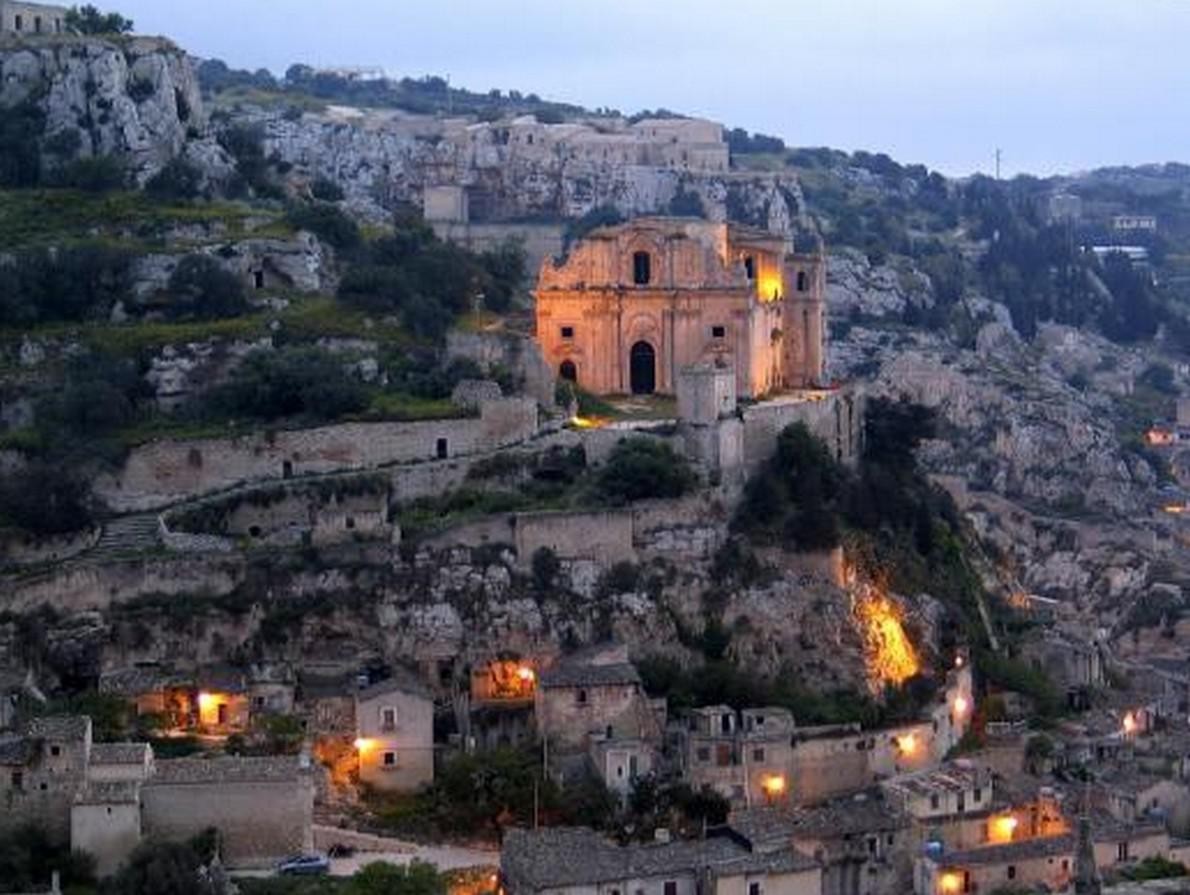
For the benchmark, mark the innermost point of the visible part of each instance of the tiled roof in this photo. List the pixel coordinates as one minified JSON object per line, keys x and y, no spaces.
{"x":226,"y":770}
{"x":950,"y":777}
{"x":115,"y":792}
{"x":16,"y":749}
{"x":58,"y":727}
{"x":317,"y":686}
{"x":1038,"y":847}
{"x":561,"y":857}
{"x":576,"y":674}
{"x":842,"y":817}
{"x":119,"y":753}
{"x":133,"y":681}
{"x":401,"y":681}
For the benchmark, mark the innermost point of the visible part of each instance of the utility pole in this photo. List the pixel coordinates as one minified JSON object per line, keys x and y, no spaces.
{"x":997,"y":163}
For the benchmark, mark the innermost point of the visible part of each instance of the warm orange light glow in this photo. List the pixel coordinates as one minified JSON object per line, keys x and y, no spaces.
{"x":1001,"y":829}
{"x":1160,"y":437}
{"x":961,"y":705}
{"x":907,"y":744}
{"x":769,"y":287}
{"x":958,"y":661}
{"x":206,"y":702}
{"x":950,"y":883}
{"x":1130,"y":724}
{"x":362,"y":745}
{"x":889,"y":654}
{"x":773,"y":785}
{"x":1175,"y":509}
{"x":587,"y":422}
{"x":526,"y":674}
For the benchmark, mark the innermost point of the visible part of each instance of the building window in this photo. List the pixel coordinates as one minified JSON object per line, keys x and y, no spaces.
{"x":962,"y":802}
{"x":758,"y":754}
{"x":670,"y":887}
{"x":18,"y":23}
{"x":803,"y":281}
{"x":442,"y":449}
{"x":978,"y":795}
{"x":568,"y":371}
{"x":388,"y":718}
{"x":642,"y":268}
{"x":723,"y":755}
{"x":1065,"y":865}
{"x":581,"y":697}
{"x":390,"y":759}
{"x":55,"y":750}
{"x":872,"y":842}
{"x":18,"y":780}
{"x":37,"y":24}
{"x":258,"y":279}
{"x":703,"y":754}
{"x":934,"y":802}
{"x":718,"y":332}
{"x":1122,"y":851}
{"x":568,"y":332}
{"x":750,"y":267}
{"x":753,"y":888}
{"x":1012,"y":871}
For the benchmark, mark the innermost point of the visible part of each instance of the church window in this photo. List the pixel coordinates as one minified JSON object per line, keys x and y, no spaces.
{"x":581,"y":697}
{"x":803,"y":281}
{"x":750,"y":267}
{"x":568,"y":332}
{"x":642,"y":268}
{"x":718,"y":332}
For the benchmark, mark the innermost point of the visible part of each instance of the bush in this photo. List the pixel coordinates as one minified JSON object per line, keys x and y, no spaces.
{"x":330,"y":224}
{"x":89,"y":20}
{"x":74,"y":283}
{"x":28,"y":859}
{"x":179,"y":180}
{"x":44,"y":500}
{"x":201,"y":289}
{"x":292,"y":382}
{"x":100,"y":174}
{"x":641,"y":468}
{"x":545,"y":568}
{"x":326,"y":190}
{"x":21,"y":127}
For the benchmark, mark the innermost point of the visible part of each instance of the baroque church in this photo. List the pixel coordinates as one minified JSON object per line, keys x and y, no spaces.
{"x":633,"y":304}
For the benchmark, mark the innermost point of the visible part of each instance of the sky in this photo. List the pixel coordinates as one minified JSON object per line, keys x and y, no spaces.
{"x":1057,"y":85}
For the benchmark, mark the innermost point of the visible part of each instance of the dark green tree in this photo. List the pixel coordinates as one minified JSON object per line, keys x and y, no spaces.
{"x":201,"y":289}
{"x":89,"y":20}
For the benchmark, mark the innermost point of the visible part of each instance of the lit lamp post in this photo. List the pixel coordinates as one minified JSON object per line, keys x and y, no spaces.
{"x":774,"y":787}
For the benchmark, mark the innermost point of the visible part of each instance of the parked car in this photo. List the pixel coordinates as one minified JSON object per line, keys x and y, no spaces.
{"x":304,"y":865}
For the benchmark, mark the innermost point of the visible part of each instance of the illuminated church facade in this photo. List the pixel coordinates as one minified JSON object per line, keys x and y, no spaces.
{"x":633,"y":304}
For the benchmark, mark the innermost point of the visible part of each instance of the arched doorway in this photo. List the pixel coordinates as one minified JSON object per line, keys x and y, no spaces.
{"x":568,"y":371}
{"x":643,"y":369}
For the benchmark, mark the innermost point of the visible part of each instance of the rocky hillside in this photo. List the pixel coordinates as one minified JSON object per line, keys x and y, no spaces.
{"x":134,"y":98}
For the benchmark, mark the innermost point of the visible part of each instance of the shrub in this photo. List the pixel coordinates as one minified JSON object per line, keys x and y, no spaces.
{"x":21,"y":127}
{"x":291,"y":382}
{"x":641,"y":468}
{"x":89,"y":20}
{"x":545,"y":568}
{"x":44,"y":500}
{"x":68,"y":284}
{"x":201,"y":289}
{"x":99,"y":174}
{"x":326,"y":190}
{"x":330,"y":224}
{"x":179,"y":180}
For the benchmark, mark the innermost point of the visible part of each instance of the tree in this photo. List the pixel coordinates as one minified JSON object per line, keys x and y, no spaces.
{"x":325,"y":190}
{"x":289,"y":382}
{"x":382,"y":878}
{"x":159,"y":868}
{"x":202,"y":289}
{"x":89,"y":20}
{"x":640,"y":468}
{"x":177,"y":180}
{"x":98,"y":174}
{"x":326,"y":221}
{"x":545,"y":568}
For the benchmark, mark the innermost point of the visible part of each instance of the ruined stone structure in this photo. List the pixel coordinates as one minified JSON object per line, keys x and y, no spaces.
{"x":31,"y":18}
{"x":636,"y":303}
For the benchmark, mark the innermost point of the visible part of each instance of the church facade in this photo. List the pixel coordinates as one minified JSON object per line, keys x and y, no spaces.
{"x":635,"y":303}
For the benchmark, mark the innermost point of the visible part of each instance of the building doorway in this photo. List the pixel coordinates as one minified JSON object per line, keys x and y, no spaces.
{"x":643,"y":369}
{"x":568,"y":371}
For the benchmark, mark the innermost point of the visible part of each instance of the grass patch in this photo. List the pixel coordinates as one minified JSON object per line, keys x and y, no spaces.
{"x":56,"y":216}
{"x":404,"y":407}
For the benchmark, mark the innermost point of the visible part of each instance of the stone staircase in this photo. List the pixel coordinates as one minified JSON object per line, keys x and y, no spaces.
{"x":125,"y":535}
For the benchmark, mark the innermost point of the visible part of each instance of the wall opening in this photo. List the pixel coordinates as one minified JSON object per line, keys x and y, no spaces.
{"x":287,"y":469}
{"x":18,"y":23}
{"x":442,"y":449}
{"x":643,"y":369}
{"x":750,"y":267}
{"x":568,"y":371}
{"x":568,"y":332}
{"x":642,"y":268}
{"x":718,"y":332}
{"x":258,"y":279}
{"x":803,"y":281}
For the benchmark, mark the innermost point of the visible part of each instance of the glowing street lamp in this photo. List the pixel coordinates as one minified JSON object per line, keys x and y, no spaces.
{"x":1130,"y":724}
{"x":774,"y":786}
{"x":1002,"y":829}
{"x":907,"y":744}
{"x":950,"y":883}
{"x":961,"y":705}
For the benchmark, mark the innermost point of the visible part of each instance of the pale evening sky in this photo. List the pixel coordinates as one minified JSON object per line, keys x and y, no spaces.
{"x":1058,"y":85}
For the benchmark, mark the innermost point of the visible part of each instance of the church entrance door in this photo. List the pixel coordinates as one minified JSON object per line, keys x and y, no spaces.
{"x":643,"y":369}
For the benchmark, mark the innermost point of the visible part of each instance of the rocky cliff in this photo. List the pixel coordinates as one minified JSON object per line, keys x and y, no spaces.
{"x":135,"y":98}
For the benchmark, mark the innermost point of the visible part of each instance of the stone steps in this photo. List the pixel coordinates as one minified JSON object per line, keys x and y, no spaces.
{"x":126,"y":534}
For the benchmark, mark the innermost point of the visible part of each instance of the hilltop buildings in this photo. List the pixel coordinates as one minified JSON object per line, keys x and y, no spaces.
{"x":31,"y":18}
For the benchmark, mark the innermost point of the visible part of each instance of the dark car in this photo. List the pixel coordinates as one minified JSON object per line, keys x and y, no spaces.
{"x":304,"y":865}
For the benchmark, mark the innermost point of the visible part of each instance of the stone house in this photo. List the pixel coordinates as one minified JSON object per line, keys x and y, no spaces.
{"x":861,"y":842}
{"x":592,"y":693}
{"x":620,"y":761}
{"x":325,"y":704}
{"x":395,"y":734}
{"x":146,"y":689}
{"x":745,"y":757}
{"x":568,"y":861}
{"x":222,"y":700}
{"x":120,"y":763}
{"x":633,"y":304}
{"x":1075,"y":665}
{"x":105,"y":822}
{"x":1045,"y":861}
{"x":41,"y":770}
{"x":262,"y":807}
{"x":31,"y":18}
{"x":500,"y":702}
